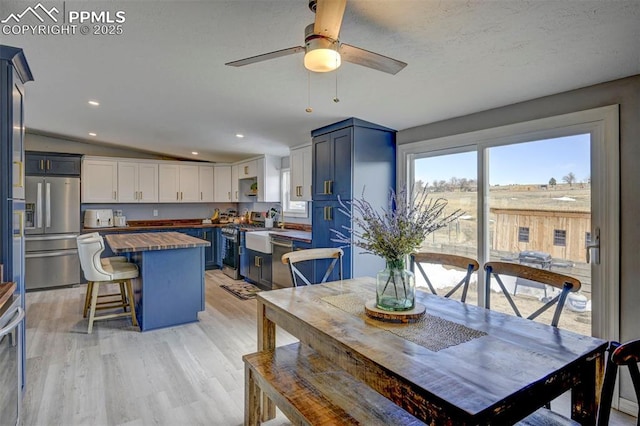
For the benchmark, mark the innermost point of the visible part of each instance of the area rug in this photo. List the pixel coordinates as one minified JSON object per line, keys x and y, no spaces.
{"x":242,"y":290}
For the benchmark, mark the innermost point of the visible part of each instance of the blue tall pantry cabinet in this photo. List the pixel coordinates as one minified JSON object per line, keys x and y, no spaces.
{"x":14,"y":72}
{"x":349,"y":157}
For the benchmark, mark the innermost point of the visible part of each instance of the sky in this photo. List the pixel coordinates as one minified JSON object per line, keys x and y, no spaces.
{"x":524,"y":163}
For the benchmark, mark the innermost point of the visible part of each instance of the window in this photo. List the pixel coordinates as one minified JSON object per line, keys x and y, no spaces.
{"x":523,"y":234}
{"x":291,"y":208}
{"x":559,"y":237}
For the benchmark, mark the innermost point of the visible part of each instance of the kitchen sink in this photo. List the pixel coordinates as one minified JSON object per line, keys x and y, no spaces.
{"x":258,"y":241}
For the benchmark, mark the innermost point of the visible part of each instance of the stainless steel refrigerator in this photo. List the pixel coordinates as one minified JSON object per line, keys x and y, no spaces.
{"x":52,"y":223}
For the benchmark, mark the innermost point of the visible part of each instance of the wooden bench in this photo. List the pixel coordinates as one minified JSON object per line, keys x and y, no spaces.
{"x":311,"y":391}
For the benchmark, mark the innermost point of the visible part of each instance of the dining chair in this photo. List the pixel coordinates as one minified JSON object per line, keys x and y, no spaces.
{"x":294,"y":257}
{"x":618,"y":355}
{"x":564,"y":283}
{"x":461,"y":262}
{"x":121,"y":273}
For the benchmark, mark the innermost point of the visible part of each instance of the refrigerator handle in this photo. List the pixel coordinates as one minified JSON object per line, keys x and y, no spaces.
{"x":47,"y":206}
{"x":39,"y":206}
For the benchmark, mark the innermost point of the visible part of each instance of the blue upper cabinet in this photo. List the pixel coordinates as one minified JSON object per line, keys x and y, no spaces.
{"x":350,"y":157}
{"x":332,"y":165}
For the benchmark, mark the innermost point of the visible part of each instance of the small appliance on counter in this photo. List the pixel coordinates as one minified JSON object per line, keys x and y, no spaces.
{"x":119,"y":220}
{"x":99,"y":218}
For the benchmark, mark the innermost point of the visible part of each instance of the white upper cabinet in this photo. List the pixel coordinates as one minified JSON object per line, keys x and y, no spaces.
{"x":205,"y":183}
{"x":137,"y":182}
{"x":99,"y":181}
{"x":268,"y":179}
{"x":256,"y":180}
{"x":248,"y":169}
{"x":235,"y":171}
{"x":300,"y":165}
{"x":178,"y":183}
{"x":222,"y":184}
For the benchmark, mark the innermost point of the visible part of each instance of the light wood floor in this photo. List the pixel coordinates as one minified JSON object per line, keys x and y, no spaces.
{"x":187,"y":375}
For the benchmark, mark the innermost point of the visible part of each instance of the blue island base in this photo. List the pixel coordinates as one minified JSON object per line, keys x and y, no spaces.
{"x":170,"y":289}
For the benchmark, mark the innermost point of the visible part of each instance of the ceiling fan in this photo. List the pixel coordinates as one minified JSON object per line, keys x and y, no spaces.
{"x":323,"y":50}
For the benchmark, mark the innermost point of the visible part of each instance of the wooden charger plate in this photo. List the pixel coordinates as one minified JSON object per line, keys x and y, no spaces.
{"x":405,"y":317}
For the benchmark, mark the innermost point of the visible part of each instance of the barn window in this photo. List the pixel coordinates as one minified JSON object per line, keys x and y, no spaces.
{"x":523,"y":234}
{"x":559,"y":237}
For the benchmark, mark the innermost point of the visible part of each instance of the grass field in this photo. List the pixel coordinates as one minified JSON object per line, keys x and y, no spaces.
{"x":460,"y":237}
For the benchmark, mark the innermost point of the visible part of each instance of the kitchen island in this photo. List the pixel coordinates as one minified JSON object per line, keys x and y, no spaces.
{"x":170,"y":288}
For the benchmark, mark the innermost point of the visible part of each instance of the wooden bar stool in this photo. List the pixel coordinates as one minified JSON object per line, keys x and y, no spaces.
{"x":105,"y":261}
{"x":89,"y":250}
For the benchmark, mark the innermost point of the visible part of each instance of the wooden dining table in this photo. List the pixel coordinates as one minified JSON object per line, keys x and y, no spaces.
{"x":461,"y":364}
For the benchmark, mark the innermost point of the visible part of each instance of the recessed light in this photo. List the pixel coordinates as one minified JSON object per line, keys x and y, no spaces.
{"x":94,"y":103}
{"x":93,"y":134}
{"x":194,"y":152}
{"x":239,"y":135}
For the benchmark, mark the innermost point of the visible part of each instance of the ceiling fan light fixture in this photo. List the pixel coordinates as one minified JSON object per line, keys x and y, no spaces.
{"x":321,"y":55}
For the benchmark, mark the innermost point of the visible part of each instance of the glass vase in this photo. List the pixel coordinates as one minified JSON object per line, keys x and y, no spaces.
{"x":395,"y":287}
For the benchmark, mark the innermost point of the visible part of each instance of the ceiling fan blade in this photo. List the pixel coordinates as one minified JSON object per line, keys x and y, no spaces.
{"x":329,"y":15}
{"x":266,"y":56}
{"x":358,"y":56}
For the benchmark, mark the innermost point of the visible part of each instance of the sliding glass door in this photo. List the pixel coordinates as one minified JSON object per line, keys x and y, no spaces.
{"x":541,"y":193}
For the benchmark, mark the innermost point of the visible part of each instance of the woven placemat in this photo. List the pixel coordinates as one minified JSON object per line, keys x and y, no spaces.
{"x":431,"y":332}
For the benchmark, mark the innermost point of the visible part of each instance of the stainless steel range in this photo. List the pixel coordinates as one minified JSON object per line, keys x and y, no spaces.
{"x":231,"y":251}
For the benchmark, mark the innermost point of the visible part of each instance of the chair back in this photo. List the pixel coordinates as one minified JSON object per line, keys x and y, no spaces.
{"x":562,"y":282}
{"x":89,"y":250}
{"x":471,"y":265}
{"x":291,"y":258}
{"x":619,"y":354}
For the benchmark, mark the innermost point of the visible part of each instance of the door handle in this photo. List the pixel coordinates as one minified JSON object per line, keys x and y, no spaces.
{"x":48,"y":164}
{"x":200,"y":195}
{"x":181,"y":196}
{"x":236,"y":195}
{"x":229,"y":195}
{"x":595,"y":246}
{"x":39,"y":206}
{"x":177,"y":195}
{"x":115,"y":195}
{"x":246,"y":172}
{"x":327,"y":213}
{"x":47,"y":205}
{"x":18,"y":315}
{"x":41,"y":164}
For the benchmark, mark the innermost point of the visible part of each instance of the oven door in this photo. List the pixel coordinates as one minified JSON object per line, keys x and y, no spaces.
{"x":10,"y":360}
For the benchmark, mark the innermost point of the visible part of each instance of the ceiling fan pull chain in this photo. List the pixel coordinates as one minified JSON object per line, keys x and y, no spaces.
{"x":309,"y":109}
{"x":336,"y":100}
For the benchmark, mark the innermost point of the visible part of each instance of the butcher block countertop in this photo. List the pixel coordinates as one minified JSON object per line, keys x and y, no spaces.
{"x":6,"y":293}
{"x":149,"y":241}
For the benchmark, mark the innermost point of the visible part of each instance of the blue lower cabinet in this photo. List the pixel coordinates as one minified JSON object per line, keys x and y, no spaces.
{"x":217,"y":232}
{"x":209,"y":252}
{"x":326,"y":216}
{"x":257,"y":267}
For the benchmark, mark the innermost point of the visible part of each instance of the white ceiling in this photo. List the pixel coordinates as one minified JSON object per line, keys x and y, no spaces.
{"x":163,"y":85}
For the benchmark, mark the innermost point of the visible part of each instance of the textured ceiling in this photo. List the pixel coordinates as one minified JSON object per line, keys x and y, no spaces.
{"x":163,"y":85}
